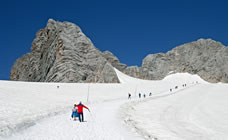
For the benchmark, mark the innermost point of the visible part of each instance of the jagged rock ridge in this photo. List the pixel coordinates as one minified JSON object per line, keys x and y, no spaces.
{"x":62,"y":53}
{"x":205,"y":57}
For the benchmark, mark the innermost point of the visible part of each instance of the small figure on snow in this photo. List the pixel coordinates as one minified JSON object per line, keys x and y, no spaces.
{"x":170,"y":90}
{"x":58,"y":87}
{"x":144,"y":95}
{"x":129,"y":95}
{"x":139,"y":95}
{"x":150,"y":94}
{"x":74,"y":112}
{"x":80,"y":111}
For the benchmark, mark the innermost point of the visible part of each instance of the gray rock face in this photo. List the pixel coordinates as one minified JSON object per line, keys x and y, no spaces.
{"x":133,"y":71}
{"x":62,"y":53}
{"x":114,"y":61}
{"x":205,"y":57}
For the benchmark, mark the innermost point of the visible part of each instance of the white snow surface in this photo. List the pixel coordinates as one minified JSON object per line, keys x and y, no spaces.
{"x":41,"y":111}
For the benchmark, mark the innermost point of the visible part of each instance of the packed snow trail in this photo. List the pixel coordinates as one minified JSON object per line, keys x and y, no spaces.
{"x":102,"y":123}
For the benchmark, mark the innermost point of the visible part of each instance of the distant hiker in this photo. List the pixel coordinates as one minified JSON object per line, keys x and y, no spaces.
{"x":74,"y":112}
{"x":129,"y":95}
{"x":144,"y":95}
{"x":170,"y":90}
{"x":139,"y":95}
{"x":185,"y":84}
{"x":80,"y":111}
{"x":176,"y":87}
{"x":150,"y":94}
{"x":57,"y":86}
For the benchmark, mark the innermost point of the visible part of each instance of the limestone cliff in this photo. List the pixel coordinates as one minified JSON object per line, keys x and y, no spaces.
{"x":205,"y":57}
{"x":62,"y":53}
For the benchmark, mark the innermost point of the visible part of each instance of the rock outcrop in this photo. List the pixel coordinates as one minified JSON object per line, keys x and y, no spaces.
{"x":114,"y":61}
{"x":205,"y":57}
{"x":62,"y":53}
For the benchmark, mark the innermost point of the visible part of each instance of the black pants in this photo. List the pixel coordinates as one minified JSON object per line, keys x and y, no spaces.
{"x":81,"y":117}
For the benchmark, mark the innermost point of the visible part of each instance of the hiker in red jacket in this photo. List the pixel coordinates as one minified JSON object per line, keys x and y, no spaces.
{"x":80,"y":111}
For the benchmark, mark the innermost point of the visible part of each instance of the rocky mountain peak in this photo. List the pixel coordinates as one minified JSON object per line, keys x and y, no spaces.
{"x":205,"y":57}
{"x":62,"y":53}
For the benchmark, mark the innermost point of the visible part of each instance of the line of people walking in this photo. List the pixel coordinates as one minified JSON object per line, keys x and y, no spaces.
{"x":140,"y":95}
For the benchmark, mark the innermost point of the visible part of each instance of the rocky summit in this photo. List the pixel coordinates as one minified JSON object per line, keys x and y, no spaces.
{"x":205,"y":57}
{"x":62,"y":53}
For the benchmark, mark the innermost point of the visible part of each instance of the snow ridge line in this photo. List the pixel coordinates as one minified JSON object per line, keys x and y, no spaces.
{"x":130,"y":106}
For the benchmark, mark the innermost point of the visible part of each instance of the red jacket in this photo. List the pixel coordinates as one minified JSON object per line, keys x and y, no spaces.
{"x":80,"y":108}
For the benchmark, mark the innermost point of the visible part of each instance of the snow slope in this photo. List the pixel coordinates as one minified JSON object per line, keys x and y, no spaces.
{"x":22,"y":103}
{"x":195,"y":113}
{"x":101,"y":124}
{"x":42,"y":111}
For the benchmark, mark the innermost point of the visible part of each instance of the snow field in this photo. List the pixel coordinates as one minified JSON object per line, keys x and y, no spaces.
{"x":23,"y":103}
{"x":199,"y":113}
{"x":42,"y":111}
{"x":102,"y":123}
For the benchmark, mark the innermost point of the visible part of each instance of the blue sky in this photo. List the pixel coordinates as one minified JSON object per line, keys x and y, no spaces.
{"x":131,"y":29}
